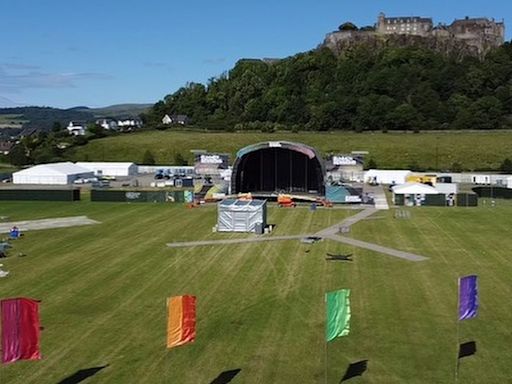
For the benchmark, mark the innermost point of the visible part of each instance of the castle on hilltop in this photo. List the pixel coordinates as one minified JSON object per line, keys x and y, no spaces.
{"x":475,"y":36}
{"x":465,"y":29}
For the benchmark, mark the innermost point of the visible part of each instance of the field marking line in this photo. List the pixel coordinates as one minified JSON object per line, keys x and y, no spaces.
{"x":58,"y":222}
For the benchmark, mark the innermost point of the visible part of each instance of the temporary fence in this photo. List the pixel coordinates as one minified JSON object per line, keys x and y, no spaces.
{"x":438,"y":200}
{"x":142,"y":196}
{"x":493,"y":192}
{"x":40,"y":194}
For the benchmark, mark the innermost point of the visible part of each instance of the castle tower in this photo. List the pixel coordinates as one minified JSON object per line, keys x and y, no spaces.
{"x":380,"y":22}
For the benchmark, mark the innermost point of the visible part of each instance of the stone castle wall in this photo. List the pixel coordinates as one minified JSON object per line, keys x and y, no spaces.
{"x":463,"y":37}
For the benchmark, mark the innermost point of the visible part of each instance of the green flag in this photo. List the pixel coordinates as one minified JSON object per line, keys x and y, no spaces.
{"x":338,"y":314}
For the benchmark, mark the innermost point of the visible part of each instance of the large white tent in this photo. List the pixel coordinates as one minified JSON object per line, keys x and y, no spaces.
{"x":54,"y":173}
{"x":241,"y":215}
{"x":110,"y":168}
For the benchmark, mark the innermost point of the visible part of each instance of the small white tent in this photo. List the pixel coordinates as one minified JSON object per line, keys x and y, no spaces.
{"x":414,"y":189}
{"x":54,"y":173}
{"x":110,"y":168}
{"x":241,"y":215}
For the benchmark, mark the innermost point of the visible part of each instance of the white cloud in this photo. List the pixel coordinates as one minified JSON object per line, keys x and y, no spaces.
{"x":23,"y":77}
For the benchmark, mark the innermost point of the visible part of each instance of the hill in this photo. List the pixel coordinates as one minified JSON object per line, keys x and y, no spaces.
{"x":470,"y":150}
{"x":362,"y":87}
{"x":117,"y":110}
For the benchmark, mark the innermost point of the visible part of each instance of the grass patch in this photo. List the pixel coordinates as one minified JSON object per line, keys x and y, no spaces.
{"x":473,"y":150}
{"x":13,"y":121}
{"x":260,"y":306}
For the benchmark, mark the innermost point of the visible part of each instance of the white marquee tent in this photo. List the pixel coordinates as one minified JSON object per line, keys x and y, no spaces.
{"x":241,"y":215}
{"x":110,"y":168}
{"x":414,"y":189}
{"x":54,"y":173}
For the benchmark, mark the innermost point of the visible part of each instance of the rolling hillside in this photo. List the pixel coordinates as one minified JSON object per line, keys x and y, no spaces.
{"x":471,"y":150}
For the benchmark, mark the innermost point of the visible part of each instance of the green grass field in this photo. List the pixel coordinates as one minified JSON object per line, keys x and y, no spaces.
{"x":12,"y":120}
{"x":474,"y":150}
{"x":260,"y":306}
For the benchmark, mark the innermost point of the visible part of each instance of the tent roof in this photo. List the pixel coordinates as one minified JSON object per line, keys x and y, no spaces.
{"x":66,"y":168}
{"x":387,"y":172}
{"x":414,"y":188}
{"x":104,"y":164}
{"x":242,"y":203}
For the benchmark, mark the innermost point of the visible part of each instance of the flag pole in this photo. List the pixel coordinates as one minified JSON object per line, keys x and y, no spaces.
{"x":326,"y":363}
{"x":326,"y":341}
{"x":458,"y":333}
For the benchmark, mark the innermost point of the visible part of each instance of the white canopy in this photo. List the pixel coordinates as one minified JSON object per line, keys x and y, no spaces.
{"x":53,"y":173}
{"x":414,"y":189}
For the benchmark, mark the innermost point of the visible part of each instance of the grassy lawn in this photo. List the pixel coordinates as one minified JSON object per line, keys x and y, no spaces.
{"x":7,"y":168}
{"x":473,"y":150}
{"x":260,"y":306}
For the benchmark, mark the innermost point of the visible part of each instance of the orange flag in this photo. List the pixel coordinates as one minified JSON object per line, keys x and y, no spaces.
{"x":181,"y":322}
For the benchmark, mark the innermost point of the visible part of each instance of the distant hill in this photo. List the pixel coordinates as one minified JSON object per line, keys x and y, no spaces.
{"x":43,"y":118}
{"x":117,"y":110}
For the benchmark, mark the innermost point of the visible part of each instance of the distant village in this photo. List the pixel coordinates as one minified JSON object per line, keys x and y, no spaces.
{"x":80,"y":128}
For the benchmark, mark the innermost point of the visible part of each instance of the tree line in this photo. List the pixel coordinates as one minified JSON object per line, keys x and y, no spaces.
{"x":363,"y":89}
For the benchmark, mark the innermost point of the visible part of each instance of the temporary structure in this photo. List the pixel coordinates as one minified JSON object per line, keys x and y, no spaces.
{"x":242,"y":215}
{"x":417,"y":194}
{"x":110,"y":168}
{"x":414,"y":189}
{"x":54,"y":173}
{"x":386,"y":176}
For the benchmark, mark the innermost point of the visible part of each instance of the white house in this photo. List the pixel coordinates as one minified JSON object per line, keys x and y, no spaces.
{"x":129,"y":123}
{"x":166,"y":120}
{"x":54,"y":173}
{"x":76,"y":128}
{"x":110,"y":168}
{"x":107,"y":124}
{"x":175,"y":119}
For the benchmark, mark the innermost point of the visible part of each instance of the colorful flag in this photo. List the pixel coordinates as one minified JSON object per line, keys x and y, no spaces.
{"x":338,"y":314}
{"x":468,"y":297}
{"x":181,"y":322}
{"x":20,"y":330}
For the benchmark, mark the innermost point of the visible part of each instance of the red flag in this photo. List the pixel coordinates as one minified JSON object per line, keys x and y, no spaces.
{"x":20,"y":330}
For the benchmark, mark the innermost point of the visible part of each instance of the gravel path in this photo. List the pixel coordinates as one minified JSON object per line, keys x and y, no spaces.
{"x":377,"y":248}
{"x":234,"y":241}
{"x":347,"y":222}
{"x":330,"y":233}
{"x":60,"y":222}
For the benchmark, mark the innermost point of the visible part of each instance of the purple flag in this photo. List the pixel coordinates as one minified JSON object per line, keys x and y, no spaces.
{"x":468,"y":297}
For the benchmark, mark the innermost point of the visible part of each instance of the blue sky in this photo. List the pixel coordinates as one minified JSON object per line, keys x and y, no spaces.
{"x":65,"y":53}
